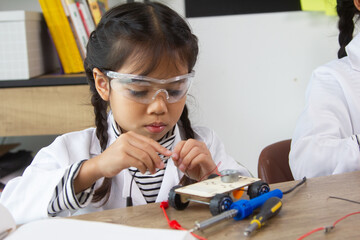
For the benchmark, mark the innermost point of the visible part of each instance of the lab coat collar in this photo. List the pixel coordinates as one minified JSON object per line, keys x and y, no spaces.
{"x":352,"y":50}
{"x":113,"y":131}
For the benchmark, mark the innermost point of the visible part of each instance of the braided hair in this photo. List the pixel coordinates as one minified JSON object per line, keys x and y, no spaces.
{"x":147,"y":32}
{"x":346,"y":11}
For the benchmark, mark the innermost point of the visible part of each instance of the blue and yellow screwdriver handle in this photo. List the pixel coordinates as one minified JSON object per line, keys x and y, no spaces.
{"x":269,"y":209}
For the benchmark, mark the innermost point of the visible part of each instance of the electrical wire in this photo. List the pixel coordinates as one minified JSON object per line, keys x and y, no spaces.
{"x":297,"y":185}
{"x":216,"y":170}
{"x":132,"y":180}
{"x":345,"y":199}
{"x":173,"y":223}
{"x":329,"y":228}
{"x":129,"y":202}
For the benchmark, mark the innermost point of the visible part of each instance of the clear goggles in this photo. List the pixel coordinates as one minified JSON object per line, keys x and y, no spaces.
{"x":144,"y":89}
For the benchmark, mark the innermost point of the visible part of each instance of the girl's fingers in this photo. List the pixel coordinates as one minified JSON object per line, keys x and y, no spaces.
{"x":142,"y":156}
{"x":186,"y":147}
{"x":144,"y":152}
{"x":194,"y":159}
{"x":148,"y":146}
{"x":189,"y":158}
{"x":151,"y":143}
{"x":176,"y":153}
{"x":110,"y":167}
{"x":134,"y":162}
{"x":202,"y":159}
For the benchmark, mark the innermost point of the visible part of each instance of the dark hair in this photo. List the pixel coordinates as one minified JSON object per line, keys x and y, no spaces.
{"x":346,"y":11}
{"x":147,"y":33}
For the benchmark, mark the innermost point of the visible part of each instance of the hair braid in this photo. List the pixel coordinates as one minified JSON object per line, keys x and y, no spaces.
{"x":346,"y":12}
{"x":100,"y":111}
{"x":189,"y":133}
{"x":184,"y":118}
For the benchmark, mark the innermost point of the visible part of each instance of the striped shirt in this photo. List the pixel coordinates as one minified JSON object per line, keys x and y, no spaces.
{"x":64,"y":196}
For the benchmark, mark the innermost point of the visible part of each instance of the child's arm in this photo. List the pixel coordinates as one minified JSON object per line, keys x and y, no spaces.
{"x":129,"y":150}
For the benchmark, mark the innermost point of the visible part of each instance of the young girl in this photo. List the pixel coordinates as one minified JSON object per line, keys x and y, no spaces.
{"x":326,"y":139}
{"x":139,"y":66}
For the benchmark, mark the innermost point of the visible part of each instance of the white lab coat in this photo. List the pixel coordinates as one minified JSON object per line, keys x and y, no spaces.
{"x":27,"y":197}
{"x":324,"y":142}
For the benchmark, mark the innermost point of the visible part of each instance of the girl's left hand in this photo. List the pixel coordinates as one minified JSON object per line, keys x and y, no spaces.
{"x":194,"y":159}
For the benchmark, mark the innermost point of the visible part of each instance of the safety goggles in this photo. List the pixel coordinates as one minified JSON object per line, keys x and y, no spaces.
{"x":144,"y":89}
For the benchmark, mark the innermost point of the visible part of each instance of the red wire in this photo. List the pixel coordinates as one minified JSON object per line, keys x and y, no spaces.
{"x":337,"y":221}
{"x":321,"y":228}
{"x":214,"y":170}
{"x":311,"y":232}
{"x":173,"y":223}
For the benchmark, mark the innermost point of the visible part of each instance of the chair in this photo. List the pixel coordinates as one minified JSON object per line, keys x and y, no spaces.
{"x":273,"y":165}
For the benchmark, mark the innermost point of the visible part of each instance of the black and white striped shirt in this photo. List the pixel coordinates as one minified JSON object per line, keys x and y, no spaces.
{"x":64,"y":196}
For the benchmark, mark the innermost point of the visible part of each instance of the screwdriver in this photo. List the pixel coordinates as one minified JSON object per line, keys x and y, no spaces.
{"x":239,"y":209}
{"x":268,"y":210}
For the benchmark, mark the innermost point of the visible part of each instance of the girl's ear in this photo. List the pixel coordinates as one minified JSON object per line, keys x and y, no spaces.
{"x":357,"y":4}
{"x":102,"y":84}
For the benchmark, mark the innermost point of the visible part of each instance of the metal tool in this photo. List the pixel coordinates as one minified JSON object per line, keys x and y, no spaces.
{"x":211,"y":221}
{"x":239,"y":209}
{"x":268,"y":210}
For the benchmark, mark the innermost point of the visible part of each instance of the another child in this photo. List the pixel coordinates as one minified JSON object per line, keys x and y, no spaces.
{"x":139,"y":66}
{"x":326,"y":139}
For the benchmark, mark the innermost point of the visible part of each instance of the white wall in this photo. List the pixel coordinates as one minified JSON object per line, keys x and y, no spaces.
{"x":252,"y":73}
{"x":250,"y":77}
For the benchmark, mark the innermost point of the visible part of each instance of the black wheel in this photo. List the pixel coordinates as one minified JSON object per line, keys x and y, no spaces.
{"x":175,"y":199}
{"x":220,"y":203}
{"x":257,"y":189}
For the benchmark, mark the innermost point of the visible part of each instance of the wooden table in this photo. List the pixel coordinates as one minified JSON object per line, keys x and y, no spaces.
{"x":306,"y":208}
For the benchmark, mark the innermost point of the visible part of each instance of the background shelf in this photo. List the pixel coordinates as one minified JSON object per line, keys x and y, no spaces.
{"x":47,"y":80}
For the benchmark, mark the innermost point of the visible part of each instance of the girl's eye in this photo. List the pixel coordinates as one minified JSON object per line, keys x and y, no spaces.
{"x":174,"y":93}
{"x":137,"y":93}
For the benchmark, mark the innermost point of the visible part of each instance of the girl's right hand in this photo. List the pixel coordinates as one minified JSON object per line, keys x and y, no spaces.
{"x":131,"y":150}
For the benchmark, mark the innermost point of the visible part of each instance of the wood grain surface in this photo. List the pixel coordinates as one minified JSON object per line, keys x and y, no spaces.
{"x":306,"y":208}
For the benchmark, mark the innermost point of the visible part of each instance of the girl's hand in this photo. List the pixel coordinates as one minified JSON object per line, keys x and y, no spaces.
{"x":194,"y":159}
{"x":129,"y":150}
{"x":132,"y":150}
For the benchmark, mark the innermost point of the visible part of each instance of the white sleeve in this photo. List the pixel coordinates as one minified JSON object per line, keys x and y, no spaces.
{"x":28,"y":197}
{"x":324,"y":142}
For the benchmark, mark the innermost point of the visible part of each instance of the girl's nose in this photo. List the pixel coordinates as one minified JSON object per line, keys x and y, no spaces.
{"x":159,"y":104}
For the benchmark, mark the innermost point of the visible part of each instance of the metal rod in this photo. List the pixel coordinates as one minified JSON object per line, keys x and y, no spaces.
{"x":198,"y":201}
{"x":211,"y":221}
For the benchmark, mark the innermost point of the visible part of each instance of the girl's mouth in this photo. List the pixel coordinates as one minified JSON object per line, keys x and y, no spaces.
{"x":156,"y":127}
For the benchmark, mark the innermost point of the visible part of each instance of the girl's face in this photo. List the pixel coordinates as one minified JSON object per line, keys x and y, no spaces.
{"x":152,"y":120}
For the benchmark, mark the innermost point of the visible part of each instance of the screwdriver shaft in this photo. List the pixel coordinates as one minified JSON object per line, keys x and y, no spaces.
{"x":211,"y":221}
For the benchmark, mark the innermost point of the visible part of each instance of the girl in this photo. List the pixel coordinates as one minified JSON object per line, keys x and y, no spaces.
{"x":326,"y":139}
{"x":139,"y":66}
